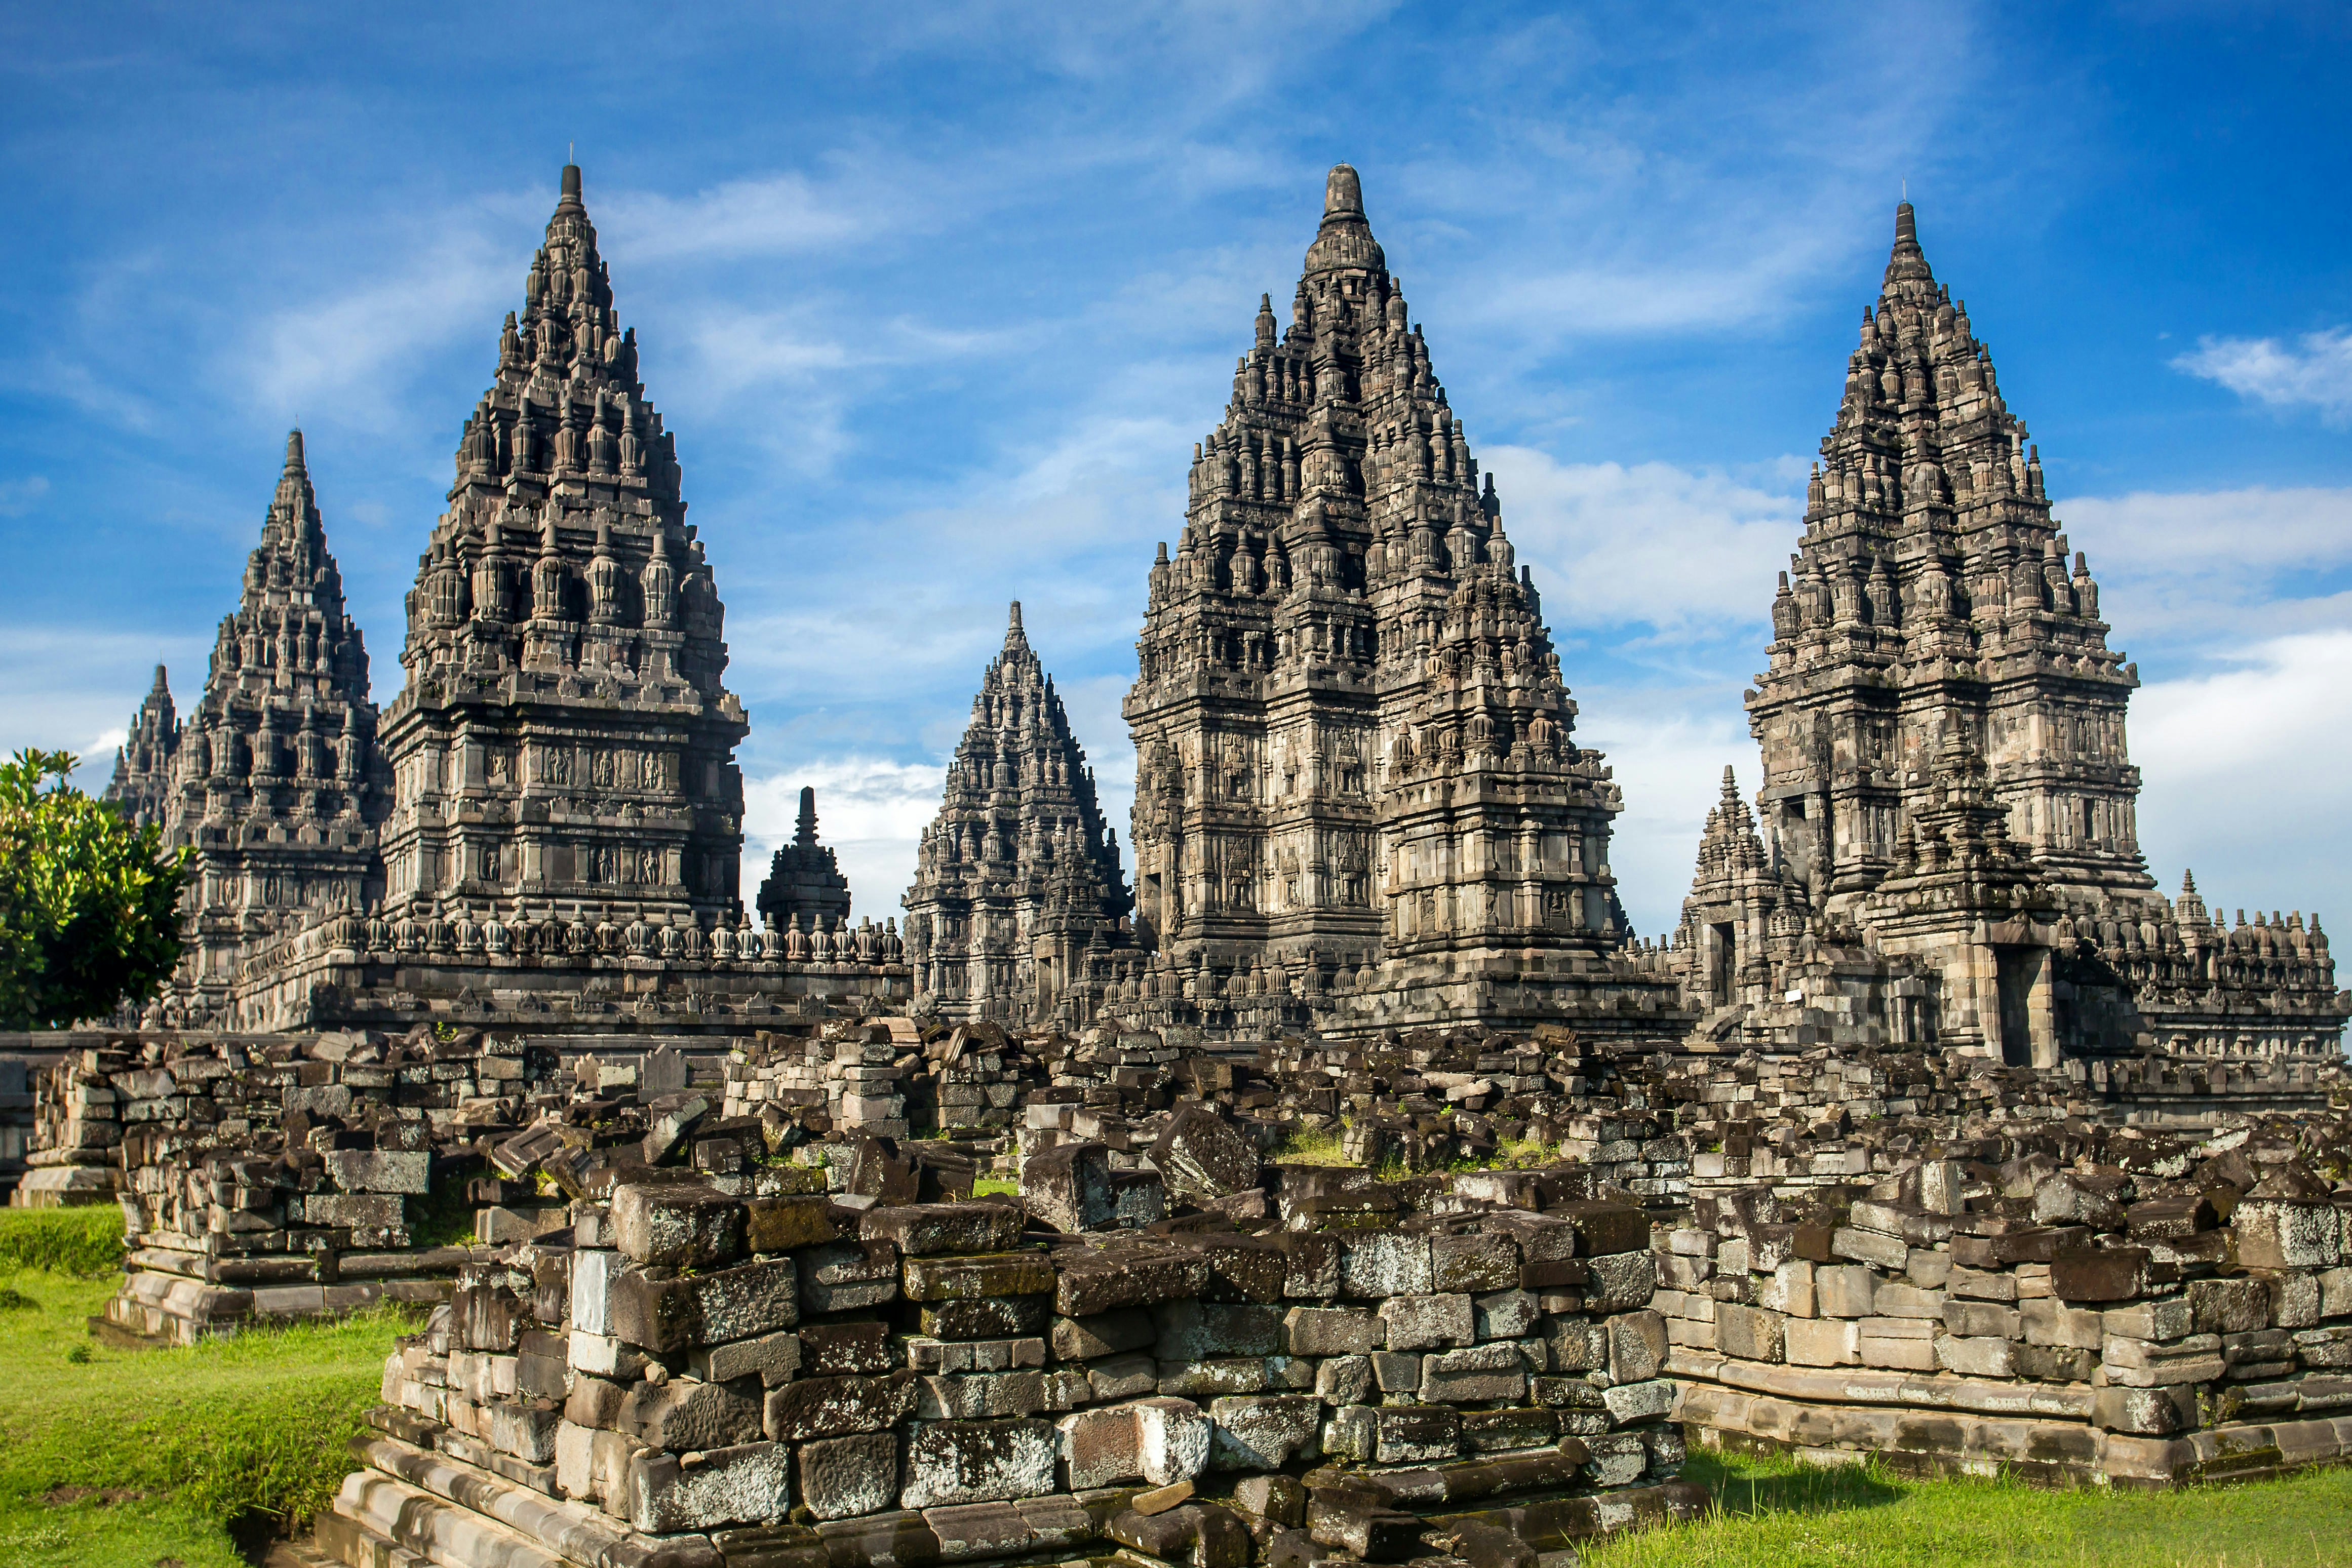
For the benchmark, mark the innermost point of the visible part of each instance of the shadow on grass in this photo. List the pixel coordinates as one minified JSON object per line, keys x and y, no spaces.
{"x":1751,"y":1486}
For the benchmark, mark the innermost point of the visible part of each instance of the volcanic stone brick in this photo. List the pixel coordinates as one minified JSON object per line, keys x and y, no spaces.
{"x":1208,"y":1379}
{"x":1277,"y":1499}
{"x":1244,"y":1267}
{"x":1488,"y":1546}
{"x":1358,"y":1520}
{"x":842,"y":1478}
{"x":1637,"y":1345}
{"x":731,"y":1486}
{"x":1098,"y":1448}
{"x":683,"y":1416}
{"x":1124,"y":1376}
{"x":847,"y":1277}
{"x":2229,"y":1306}
{"x":1201,"y":1156}
{"x":1578,"y":1347}
{"x":1750,"y":1333}
{"x":980,"y":1396}
{"x":1821,"y":1342}
{"x":1605,"y":1228}
{"x":1171,"y":1439}
{"x":1620,"y":1281}
{"x":1507,"y":1314}
{"x":788,"y":1224}
{"x":706,"y":1308}
{"x":977,"y":1461}
{"x":1419,"y":1322}
{"x":923,"y":1230}
{"x":1343,"y":1380}
{"x":1980,"y":1356}
{"x":1475,"y":1375}
{"x":2146,"y":1412}
{"x":1198,"y":1330}
{"x":836,"y":1349}
{"x":973,"y":1279}
{"x":379,"y":1170}
{"x":1084,"y":1286}
{"x":2049,"y":1322}
{"x":1205,"y":1535}
{"x":1264,"y":1432}
{"x":772,"y":1358}
{"x":837,"y":1406}
{"x":1331,"y":1331}
{"x":523,"y":1427}
{"x":1068,"y":1186}
{"x":1378,"y":1264}
{"x":1504,"y":1431}
{"x":1474,"y":1263}
{"x":1107,"y":1333}
{"x":1418,"y":1435}
{"x":2287,"y":1233}
{"x":1310,"y":1266}
{"x":1615,"y":1458}
{"x":1982,"y":1318}
{"x":2100,"y":1274}
{"x":677,"y":1227}
{"x":992,"y":1318}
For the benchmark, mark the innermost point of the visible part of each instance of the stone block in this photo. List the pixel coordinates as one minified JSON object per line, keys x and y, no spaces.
{"x":1419,"y":1322}
{"x":683,"y":1414}
{"x":1749,"y":1333}
{"x":1277,"y":1499}
{"x":1478,"y":1374}
{"x":2146,"y":1412}
{"x":949,"y":1462}
{"x":1342,"y":1380}
{"x":1977,"y":1356}
{"x":925,"y":1230}
{"x":1474,"y":1263}
{"x":787,"y":1222}
{"x":1603,"y":1229}
{"x":966,"y":1278}
{"x":1845,"y":1290}
{"x":1375,"y":1265}
{"x":1637,"y":1345}
{"x":736,"y":1303}
{"x":845,"y":1477}
{"x":1578,"y":1347}
{"x":1173,"y":1439}
{"x":2099,"y":1274}
{"x":1199,"y":1155}
{"x":1418,"y":1435}
{"x":2229,"y":1306}
{"x":1099,"y":1448}
{"x":773,"y":1358}
{"x":1395,"y":1372}
{"x":1331,"y":1331}
{"x":676,"y":1225}
{"x":664,"y":1496}
{"x":1620,"y":1281}
{"x":381,"y":1169}
{"x":1506,"y":1314}
{"x":1821,"y":1342}
{"x":1069,"y":1187}
{"x":980,"y":1396}
{"x":1631,"y":1401}
{"x":1983,"y":1319}
{"x":847,"y":1277}
{"x":1105,"y":1334}
{"x":838,"y":1406}
{"x":1262,"y":1431}
{"x":1889,"y":1252}
{"x":1218,"y":1376}
{"x":837,"y":1350}
{"x":1088,"y":1287}
{"x":1124,"y":1376}
{"x":2284,"y":1233}
{"x":1198,"y":1330}
{"x":596,"y":1274}
{"x":987,"y":1317}
{"x":2046,"y":1320}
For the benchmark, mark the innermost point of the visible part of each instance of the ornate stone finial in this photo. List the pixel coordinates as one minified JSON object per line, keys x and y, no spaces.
{"x":1907,"y":262}
{"x":1343,"y":194}
{"x":804,"y":829}
{"x":1345,"y":238}
{"x":570,"y":197}
{"x":1013,"y":635}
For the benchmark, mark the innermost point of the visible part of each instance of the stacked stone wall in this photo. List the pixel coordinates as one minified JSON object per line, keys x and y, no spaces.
{"x":2066,"y":1302}
{"x":688,"y":1375}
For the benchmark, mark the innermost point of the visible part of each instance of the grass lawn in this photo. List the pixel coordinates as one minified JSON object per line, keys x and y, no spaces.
{"x":1774,"y":1513}
{"x":127,"y":1458}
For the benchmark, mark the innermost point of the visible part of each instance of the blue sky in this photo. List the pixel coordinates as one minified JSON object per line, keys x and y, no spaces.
{"x":936,"y":300}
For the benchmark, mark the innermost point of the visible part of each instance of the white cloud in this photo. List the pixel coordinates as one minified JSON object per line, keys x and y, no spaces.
{"x":777,"y":215}
{"x":2195,"y":566}
{"x":1667,"y":752}
{"x":871,"y":811}
{"x":2316,"y":372}
{"x":2245,"y":772}
{"x":1651,"y":544}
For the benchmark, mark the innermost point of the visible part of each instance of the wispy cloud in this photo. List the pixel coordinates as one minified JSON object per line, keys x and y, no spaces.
{"x":2316,"y":371}
{"x":2217,"y":567}
{"x":18,"y":497}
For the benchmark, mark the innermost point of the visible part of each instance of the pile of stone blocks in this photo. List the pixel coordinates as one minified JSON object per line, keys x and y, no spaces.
{"x":2068,"y":1303}
{"x":848,"y":1074}
{"x":723,"y":1372}
{"x":282,"y":1177}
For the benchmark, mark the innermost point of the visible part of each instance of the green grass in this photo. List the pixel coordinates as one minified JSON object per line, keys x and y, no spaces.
{"x":1309,"y":1146}
{"x":82,"y":1241}
{"x":992,"y":1186}
{"x":1776,"y":1514}
{"x":175,"y":1443}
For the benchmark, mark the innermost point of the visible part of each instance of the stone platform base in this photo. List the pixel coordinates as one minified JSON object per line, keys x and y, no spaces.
{"x":175,"y":1309}
{"x":413,"y":1507}
{"x":1939,"y":1426}
{"x":63,"y":1187}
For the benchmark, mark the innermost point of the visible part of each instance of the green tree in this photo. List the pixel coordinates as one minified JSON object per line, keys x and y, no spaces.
{"x":88,"y":904}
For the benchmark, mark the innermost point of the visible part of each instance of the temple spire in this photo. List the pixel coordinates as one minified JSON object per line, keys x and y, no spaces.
{"x":1907,"y":262}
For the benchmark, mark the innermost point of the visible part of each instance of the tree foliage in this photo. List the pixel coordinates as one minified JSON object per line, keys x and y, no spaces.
{"x":88,"y":904}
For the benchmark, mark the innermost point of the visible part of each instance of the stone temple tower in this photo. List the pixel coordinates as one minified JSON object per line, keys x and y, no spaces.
{"x":142,"y":763}
{"x":1017,"y":894}
{"x":1933,"y":597}
{"x":564,"y":742}
{"x":275,"y":782}
{"x":804,"y":886}
{"x":1353,"y":744}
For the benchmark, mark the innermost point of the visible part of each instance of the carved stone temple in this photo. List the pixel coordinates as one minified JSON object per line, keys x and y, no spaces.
{"x":560,"y":810}
{"x":1018,"y":908}
{"x":1947,"y":849}
{"x":1359,"y":795}
{"x":805,"y":889}
{"x":274,"y":779}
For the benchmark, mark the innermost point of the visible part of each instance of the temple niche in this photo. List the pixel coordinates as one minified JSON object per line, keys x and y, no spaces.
{"x":1018,"y":907}
{"x":274,"y":778}
{"x":1358,"y":796}
{"x":1945,"y":848}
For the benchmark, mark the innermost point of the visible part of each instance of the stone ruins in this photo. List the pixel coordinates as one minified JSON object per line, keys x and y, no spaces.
{"x":1359,"y":1187}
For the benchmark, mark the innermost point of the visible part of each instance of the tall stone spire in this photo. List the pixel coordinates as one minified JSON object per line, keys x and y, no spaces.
{"x":565,"y":732}
{"x":277,"y":780}
{"x":142,"y":763}
{"x":1018,"y":880}
{"x":1353,"y":741}
{"x":1933,"y":592}
{"x":804,"y":888}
